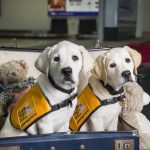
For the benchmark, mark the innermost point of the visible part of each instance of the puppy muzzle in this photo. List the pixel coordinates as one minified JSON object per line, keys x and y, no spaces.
{"x":127,"y":76}
{"x":67,"y":73}
{"x":69,"y":79}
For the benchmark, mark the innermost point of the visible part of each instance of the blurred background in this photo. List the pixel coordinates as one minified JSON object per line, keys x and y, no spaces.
{"x":45,"y":22}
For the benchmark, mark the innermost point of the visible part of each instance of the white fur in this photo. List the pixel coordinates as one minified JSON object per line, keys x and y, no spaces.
{"x":106,"y":117}
{"x":57,"y":121}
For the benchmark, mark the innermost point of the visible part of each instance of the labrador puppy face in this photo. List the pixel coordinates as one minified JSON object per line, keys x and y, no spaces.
{"x":117,"y":66}
{"x":64,"y":61}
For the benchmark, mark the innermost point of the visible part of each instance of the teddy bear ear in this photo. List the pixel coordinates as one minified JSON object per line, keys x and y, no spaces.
{"x":23,"y":64}
{"x":42,"y":60}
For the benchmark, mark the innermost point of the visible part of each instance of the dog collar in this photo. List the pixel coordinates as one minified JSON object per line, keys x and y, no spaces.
{"x":58,"y":87}
{"x":111,"y":89}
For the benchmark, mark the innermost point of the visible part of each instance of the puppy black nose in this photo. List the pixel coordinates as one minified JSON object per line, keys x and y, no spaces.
{"x":67,"y":71}
{"x":126,"y":74}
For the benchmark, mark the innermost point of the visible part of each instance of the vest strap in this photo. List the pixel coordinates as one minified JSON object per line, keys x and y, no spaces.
{"x":112,"y":100}
{"x":64,"y":103}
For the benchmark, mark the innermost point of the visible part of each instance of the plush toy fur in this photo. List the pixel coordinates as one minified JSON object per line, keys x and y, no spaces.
{"x":11,"y":72}
{"x":133,"y":105}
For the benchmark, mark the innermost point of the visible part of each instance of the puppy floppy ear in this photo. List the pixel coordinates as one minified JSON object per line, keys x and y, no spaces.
{"x":136,"y":57}
{"x":87,"y":62}
{"x":85,"y":73}
{"x":42,"y":61}
{"x":99,"y":69}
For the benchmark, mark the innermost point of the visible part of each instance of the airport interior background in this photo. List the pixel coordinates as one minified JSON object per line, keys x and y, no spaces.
{"x":37,"y":24}
{"x":33,"y":24}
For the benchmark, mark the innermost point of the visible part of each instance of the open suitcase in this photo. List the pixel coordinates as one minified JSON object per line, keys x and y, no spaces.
{"x":74,"y":141}
{"x":120,"y":140}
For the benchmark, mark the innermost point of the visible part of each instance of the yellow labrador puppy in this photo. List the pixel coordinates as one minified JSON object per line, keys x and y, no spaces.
{"x":111,"y":70}
{"x":50,"y":103}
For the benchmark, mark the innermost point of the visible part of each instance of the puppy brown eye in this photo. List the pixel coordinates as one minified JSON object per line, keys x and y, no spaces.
{"x":127,"y":60}
{"x":112,"y":65}
{"x":57,"y":58}
{"x":75,"y":58}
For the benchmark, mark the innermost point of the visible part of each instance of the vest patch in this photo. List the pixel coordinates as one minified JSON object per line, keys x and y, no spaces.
{"x":87,"y":104}
{"x":33,"y":106}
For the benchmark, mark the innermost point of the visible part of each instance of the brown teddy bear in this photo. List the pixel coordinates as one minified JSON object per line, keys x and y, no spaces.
{"x":13,"y":71}
{"x":10,"y":72}
{"x":131,"y":112}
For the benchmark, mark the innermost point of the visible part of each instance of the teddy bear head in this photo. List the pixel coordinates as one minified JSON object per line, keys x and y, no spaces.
{"x":13,"y":71}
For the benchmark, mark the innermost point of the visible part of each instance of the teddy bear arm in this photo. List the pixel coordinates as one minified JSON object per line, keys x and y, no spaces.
{"x":146,"y":99}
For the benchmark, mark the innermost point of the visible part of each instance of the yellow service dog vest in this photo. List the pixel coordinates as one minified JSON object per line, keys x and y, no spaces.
{"x":88,"y":103}
{"x":33,"y":106}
